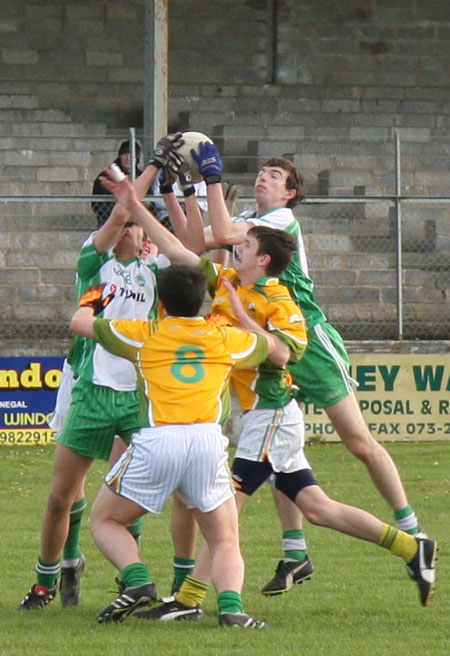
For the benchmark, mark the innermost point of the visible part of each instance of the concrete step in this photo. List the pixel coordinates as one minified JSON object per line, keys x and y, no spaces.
{"x":47,"y":128}
{"x":33,"y":115}
{"x":18,"y":101}
{"x":68,"y":219}
{"x":233,"y":146}
{"x":28,"y":187}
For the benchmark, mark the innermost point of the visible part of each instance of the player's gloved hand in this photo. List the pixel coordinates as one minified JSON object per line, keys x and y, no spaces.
{"x":94,"y":298}
{"x":164,"y":146}
{"x":181,"y":168}
{"x":209,"y":163}
{"x":166,"y":180}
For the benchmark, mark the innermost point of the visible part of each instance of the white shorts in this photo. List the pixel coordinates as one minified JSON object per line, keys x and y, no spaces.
{"x":277,"y":434}
{"x":190,"y":459}
{"x":63,"y":398}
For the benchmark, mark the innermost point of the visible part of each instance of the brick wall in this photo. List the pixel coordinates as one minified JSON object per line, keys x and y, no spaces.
{"x":347,"y":73}
{"x":388,"y":61}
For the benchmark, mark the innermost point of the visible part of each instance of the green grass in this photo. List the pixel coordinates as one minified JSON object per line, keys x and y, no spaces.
{"x":359,"y":602}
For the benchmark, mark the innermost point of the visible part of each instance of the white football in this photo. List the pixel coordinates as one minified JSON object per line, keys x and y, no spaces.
{"x":192,"y":140}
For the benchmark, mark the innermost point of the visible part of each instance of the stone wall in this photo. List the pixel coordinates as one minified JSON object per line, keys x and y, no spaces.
{"x":346,"y":69}
{"x":346,"y":74}
{"x":333,"y":60}
{"x":81,"y":57}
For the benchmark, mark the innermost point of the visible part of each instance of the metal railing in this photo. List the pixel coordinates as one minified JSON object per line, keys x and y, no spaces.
{"x":381,"y":262}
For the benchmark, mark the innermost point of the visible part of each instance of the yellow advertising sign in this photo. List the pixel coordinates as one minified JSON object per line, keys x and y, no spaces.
{"x":33,"y":437}
{"x":28,"y":387}
{"x":402,"y":397}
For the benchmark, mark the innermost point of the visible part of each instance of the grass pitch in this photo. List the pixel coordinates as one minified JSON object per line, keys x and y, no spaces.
{"x":359,"y":602}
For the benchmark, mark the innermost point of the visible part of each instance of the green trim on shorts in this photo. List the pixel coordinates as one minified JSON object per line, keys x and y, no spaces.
{"x":322,"y":374}
{"x":96,"y":415}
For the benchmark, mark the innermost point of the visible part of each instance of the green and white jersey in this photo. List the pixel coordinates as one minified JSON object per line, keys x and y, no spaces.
{"x":134,"y":286}
{"x":295,"y":276}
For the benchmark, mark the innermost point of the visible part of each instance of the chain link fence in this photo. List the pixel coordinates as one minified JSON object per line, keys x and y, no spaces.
{"x":379,"y":277}
{"x":381,"y":263}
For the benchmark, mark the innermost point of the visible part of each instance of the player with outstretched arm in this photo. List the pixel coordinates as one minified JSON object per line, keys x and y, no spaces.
{"x":184,"y":364}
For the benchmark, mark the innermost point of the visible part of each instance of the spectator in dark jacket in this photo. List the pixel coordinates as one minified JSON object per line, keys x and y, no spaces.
{"x":103,"y":208}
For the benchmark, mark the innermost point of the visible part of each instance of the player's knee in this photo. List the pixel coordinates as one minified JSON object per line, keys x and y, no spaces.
{"x":226,"y":542}
{"x":318,"y":510}
{"x":58,"y":503}
{"x":94,"y":524}
{"x":98,"y":514}
{"x":315,"y":515}
{"x":98,"y":520}
{"x":362,"y":446}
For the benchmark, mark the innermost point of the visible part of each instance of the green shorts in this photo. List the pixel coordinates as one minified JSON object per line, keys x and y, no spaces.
{"x":323,"y":374}
{"x":95,"y":416}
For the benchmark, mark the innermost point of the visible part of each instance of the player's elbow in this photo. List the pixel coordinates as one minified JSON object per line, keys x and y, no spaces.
{"x":82,"y":326}
{"x":279,"y":352}
{"x":182,"y":255}
{"x":224,"y":238}
{"x":76,"y":325}
{"x":279,"y":359}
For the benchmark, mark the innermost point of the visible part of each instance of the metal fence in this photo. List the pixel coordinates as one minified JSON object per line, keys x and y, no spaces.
{"x":381,"y":267}
{"x":381,"y":263}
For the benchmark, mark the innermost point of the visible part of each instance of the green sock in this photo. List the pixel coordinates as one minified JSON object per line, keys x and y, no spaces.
{"x":47,"y":573}
{"x":182,"y":567}
{"x":135,"y":528}
{"x":406,"y":520}
{"x":72,"y":547}
{"x":294,"y":544}
{"x":135,"y":574}
{"x":229,"y":601}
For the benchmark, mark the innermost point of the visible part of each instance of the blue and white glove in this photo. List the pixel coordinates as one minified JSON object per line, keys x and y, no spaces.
{"x":209,"y":163}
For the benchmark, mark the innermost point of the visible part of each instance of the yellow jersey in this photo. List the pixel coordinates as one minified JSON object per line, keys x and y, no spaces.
{"x":270,"y":304}
{"x":183,"y":364}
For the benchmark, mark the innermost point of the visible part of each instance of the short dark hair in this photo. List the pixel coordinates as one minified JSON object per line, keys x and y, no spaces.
{"x":125,"y":148}
{"x":280,"y":245}
{"x":182,"y":290}
{"x":294,"y":180}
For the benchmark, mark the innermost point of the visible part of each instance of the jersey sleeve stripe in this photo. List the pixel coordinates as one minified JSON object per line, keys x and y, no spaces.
{"x":247,"y":352}
{"x":126,"y":340}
